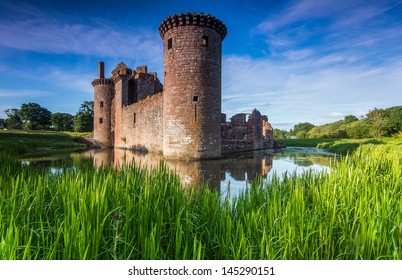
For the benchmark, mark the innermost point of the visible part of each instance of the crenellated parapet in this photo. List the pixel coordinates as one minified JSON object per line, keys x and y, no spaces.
{"x":102,"y":81}
{"x":193,"y":19}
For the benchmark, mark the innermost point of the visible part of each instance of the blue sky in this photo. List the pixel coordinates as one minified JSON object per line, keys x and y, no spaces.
{"x":296,"y":61}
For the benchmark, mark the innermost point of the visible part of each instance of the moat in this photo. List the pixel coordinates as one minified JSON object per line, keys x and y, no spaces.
{"x":236,"y":171}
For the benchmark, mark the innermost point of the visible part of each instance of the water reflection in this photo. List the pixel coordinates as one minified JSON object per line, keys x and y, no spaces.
{"x":236,"y":171}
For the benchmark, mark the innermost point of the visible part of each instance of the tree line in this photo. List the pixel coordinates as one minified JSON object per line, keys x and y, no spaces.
{"x":32,"y":116}
{"x":377,"y":123}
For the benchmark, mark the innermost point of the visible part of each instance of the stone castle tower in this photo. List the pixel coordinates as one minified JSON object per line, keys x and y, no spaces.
{"x":103,"y":98}
{"x":192,"y":85}
{"x":181,"y":119}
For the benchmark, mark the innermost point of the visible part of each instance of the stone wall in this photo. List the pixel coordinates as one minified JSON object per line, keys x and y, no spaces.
{"x":267,"y":132}
{"x":146,"y":84}
{"x":242,"y":134}
{"x":142,"y":125}
{"x":121,"y":98}
{"x":255,"y":129}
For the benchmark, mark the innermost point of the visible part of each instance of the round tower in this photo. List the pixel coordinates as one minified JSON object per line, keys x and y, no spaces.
{"x":103,"y":96}
{"x":192,"y":85}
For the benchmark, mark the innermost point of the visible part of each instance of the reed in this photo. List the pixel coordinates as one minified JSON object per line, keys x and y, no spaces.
{"x":352,"y":212}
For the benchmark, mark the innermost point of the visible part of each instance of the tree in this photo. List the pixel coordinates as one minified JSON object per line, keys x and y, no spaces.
{"x":84,"y":120}
{"x":62,"y":121}
{"x":301,"y":127}
{"x":13,"y":120}
{"x":378,"y":122}
{"x":358,"y":130}
{"x":394,"y":117}
{"x":350,"y":119}
{"x":280,"y":134}
{"x":34,"y":116}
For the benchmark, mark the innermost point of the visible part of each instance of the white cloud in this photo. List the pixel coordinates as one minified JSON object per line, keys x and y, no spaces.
{"x":328,"y":59}
{"x":292,"y":92}
{"x":74,"y":80}
{"x":23,"y":93}
{"x":336,"y":115}
{"x":37,"y":31}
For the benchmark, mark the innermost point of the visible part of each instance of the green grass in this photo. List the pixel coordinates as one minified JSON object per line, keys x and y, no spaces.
{"x":311,"y":143}
{"x":23,"y":141}
{"x":340,"y":146}
{"x":354,"y":212}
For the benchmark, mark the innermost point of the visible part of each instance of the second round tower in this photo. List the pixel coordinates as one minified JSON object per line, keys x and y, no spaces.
{"x":192,"y":85}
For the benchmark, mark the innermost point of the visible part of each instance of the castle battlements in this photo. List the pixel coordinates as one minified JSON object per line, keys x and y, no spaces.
{"x":102,"y":81}
{"x":194,"y":19}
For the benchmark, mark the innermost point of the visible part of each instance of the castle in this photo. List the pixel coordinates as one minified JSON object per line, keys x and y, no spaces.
{"x":182,"y":118}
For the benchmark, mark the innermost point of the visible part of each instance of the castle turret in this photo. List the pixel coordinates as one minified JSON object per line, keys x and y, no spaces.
{"x":192,"y":85}
{"x":103,"y":96}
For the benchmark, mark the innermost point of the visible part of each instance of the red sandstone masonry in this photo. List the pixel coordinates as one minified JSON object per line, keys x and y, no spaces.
{"x":192,"y":88}
{"x":142,"y":125}
{"x":103,"y":96}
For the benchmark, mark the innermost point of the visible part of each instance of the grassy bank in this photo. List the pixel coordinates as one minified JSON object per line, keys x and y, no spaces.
{"x":19,"y":141}
{"x":339,"y":146}
{"x":354,"y":212}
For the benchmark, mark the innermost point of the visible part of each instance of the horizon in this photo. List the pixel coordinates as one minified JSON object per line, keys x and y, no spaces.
{"x":294,"y":61}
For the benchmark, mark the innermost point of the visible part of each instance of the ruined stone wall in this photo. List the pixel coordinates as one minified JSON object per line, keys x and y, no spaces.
{"x":255,"y":129}
{"x":238,"y":119}
{"x":267,"y":133}
{"x":145,"y":85}
{"x":239,"y":132}
{"x":141,"y":126}
{"x":240,"y":135}
{"x":237,"y":129}
{"x":235,"y":146}
{"x":192,"y":86}
{"x":223,"y":118}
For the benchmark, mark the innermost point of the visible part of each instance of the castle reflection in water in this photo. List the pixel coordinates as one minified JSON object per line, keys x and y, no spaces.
{"x":192,"y":173}
{"x":229,"y":175}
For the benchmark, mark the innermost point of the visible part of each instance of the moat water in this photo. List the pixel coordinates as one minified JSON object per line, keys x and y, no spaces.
{"x":235,"y":171}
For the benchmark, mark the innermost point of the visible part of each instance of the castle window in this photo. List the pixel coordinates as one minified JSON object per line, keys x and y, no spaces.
{"x":205,"y":41}
{"x":195,"y":98}
{"x":170,"y":43}
{"x":135,"y":117}
{"x":101,"y":104}
{"x":100,"y":120}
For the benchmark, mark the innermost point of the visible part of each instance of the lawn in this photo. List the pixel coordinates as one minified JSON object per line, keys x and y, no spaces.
{"x":21,"y":141}
{"x":340,"y":146}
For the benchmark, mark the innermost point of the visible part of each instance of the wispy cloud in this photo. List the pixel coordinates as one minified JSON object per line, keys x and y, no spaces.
{"x":298,"y":92}
{"x":327,"y":59}
{"x":308,"y":28}
{"x":23,"y":93}
{"x":46,"y":32}
{"x":74,"y":80}
{"x":336,"y":14}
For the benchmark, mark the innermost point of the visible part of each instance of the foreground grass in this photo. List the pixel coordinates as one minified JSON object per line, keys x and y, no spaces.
{"x":354,"y":212}
{"x":19,"y":141}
